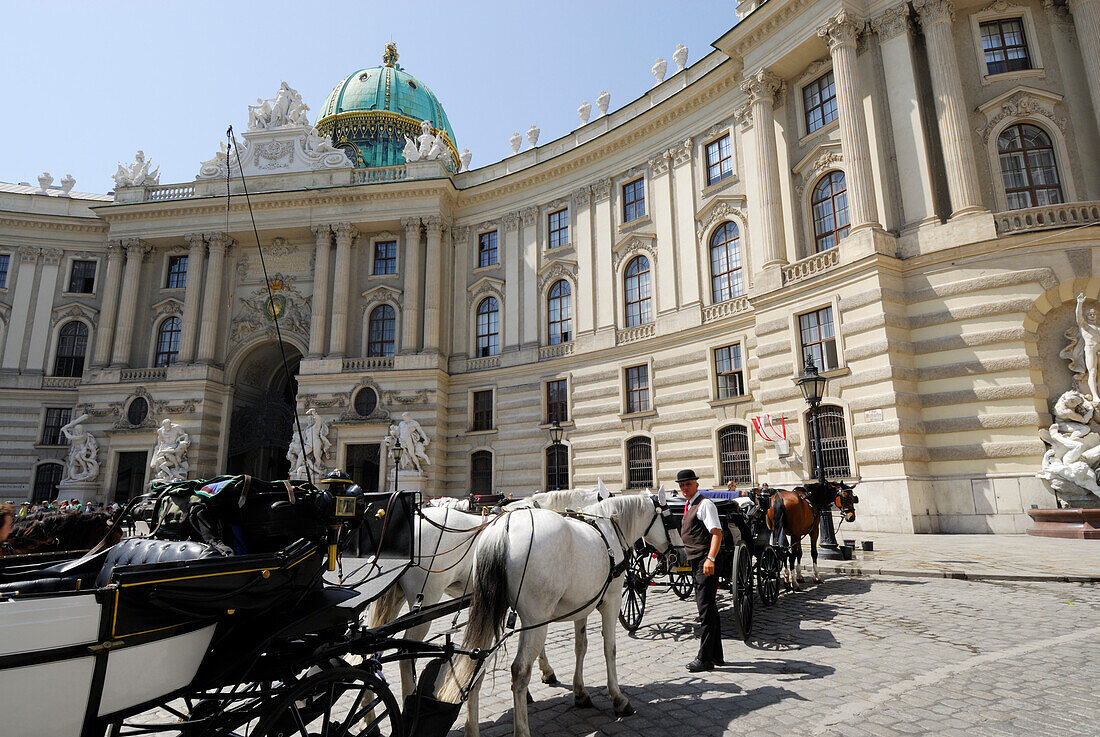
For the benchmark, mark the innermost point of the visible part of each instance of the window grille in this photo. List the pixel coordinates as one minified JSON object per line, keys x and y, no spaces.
{"x":733,"y":452}
{"x":639,"y":463}
{"x":834,"y":443}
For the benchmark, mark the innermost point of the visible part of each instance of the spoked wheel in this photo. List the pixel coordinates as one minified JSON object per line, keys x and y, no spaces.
{"x":635,"y":585}
{"x":741,"y":590}
{"x":767,"y":575}
{"x":681,"y":582}
{"x":344,"y":701}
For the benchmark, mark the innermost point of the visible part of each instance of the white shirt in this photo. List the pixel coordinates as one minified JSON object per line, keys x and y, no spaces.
{"x":707,"y":513}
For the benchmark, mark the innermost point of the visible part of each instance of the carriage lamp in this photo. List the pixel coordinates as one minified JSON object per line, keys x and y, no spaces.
{"x":556,"y":431}
{"x":398,"y":451}
{"x":812,"y":385}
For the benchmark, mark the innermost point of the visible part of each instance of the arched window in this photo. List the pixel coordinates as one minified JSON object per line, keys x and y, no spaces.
{"x":481,"y":472}
{"x":733,"y":453}
{"x":830,"y":205}
{"x":638,"y":309}
{"x":1028,"y":168}
{"x":557,"y":467}
{"x":46,"y":479}
{"x":380,"y":330}
{"x":834,"y":443}
{"x":488,"y":327}
{"x":639,"y":463}
{"x":559,"y":311}
{"x":72,"y":345}
{"x":168,"y":342}
{"x":725,"y":263}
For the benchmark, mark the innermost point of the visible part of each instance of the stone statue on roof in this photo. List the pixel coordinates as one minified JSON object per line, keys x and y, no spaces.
{"x":284,"y":110}
{"x":137,"y":174}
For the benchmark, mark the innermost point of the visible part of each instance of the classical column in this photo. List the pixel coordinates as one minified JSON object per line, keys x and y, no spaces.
{"x":341,"y":282}
{"x":510,"y":255}
{"x":937,"y":17}
{"x":763,"y":88}
{"x":192,"y":296}
{"x":127,"y":303}
{"x":528,"y":292}
{"x":1086,"y":18}
{"x":318,"y":323}
{"x":584,"y":301}
{"x":214,"y":304}
{"x":104,"y":340}
{"x":840,"y":33}
{"x":433,"y":287}
{"x":603,"y":269}
{"x":410,"y":303}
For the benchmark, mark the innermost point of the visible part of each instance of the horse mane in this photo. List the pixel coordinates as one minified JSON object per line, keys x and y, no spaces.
{"x":564,"y":499}
{"x":616,"y":506}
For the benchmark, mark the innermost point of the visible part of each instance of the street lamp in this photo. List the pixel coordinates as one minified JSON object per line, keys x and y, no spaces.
{"x":812,"y":385}
{"x":556,"y":431}
{"x":397,"y":452}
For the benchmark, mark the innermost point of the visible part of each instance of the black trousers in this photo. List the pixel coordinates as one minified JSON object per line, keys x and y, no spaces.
{"x":710,"y":626}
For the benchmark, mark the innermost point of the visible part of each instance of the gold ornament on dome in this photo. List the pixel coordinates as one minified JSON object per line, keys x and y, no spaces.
{"x":389,"y":58}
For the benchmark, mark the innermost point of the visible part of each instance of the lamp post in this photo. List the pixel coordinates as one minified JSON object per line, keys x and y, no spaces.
{"x":556,"y":431}
{"x":397,"y":452}
{"x":812,"y":385}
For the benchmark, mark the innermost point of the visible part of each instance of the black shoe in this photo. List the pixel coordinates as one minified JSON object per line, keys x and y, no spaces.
{"x":697,"y":665}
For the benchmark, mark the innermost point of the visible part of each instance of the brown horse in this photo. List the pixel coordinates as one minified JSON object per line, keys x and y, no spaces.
{"x":796,"y":513}
{"x":57,"y":531}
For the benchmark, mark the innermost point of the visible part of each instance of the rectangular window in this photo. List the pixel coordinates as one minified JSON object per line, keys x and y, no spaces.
{"x":487,"y":249}
{"x":731,"y":377}
{"x":56,"y":418}
{"x":483,"y":410}
{"x":557,"y":401}
{"x":559,"y":228}
{"x":82,"y":280}
{"x":719,"y":160}
{"x":1005,"y":46}
{"x":385,"y":258}
{"x":633,"y":200}
{"x":637,"y":389}
{"x":177,"y":272}
{"x":819,"y":99}
{"x":818,"y":338}
{"x":4,"y":260}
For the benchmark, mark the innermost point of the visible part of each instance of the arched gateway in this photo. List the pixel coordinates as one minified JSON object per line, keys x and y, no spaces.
{"x":262,"y":421}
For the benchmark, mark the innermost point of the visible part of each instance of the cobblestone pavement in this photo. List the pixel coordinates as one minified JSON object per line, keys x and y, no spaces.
{"x":851,"y":657}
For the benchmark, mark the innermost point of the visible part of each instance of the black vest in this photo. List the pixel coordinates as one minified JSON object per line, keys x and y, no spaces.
{"x":695,"y":534}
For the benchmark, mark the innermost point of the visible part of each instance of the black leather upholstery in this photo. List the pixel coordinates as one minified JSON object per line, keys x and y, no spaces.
{"x":138,"y":551}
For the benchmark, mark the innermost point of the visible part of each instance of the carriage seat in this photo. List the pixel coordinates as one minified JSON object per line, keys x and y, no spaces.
{"x":137,"y":551}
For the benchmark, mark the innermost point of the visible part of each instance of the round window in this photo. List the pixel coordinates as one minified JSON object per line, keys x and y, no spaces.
{"x":366,"y":401}
{"x":137,"y":411}
{"x":412,"y":84}
{"x":364,"y":77}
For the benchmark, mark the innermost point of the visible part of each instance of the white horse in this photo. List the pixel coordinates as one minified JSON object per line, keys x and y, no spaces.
{"x":445,"y":539}
{"x":565,"y":568}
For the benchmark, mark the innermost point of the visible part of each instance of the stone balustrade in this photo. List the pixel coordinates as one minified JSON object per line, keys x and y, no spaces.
{"x":143,"y":374}
{"x":553,"y":351}
{"x":1047,"y":217}
{"x":633,"y":335}
{"x":477,"y":364}
{"x":60,"y":382}
{"x":169,"y":192}
{"x":373,"y":363}
{"x":811,"y":266}
{"x":725,"y":309}
{"x":379,"y":174}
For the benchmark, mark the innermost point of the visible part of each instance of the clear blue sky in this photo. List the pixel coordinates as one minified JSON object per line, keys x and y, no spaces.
{"x":89,"y":83}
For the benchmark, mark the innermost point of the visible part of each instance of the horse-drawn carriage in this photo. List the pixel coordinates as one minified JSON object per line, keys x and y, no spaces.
{"x":253,"y":642}
{"x":746,"y":562}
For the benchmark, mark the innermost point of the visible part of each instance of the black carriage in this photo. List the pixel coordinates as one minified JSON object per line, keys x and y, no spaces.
{"x":747,"y":562}
{"x":229,"y":629}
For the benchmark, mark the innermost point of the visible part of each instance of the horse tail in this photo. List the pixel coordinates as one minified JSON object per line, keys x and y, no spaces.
{"x":488,"y":609}
{"x":385,"y":608}
{"x":778,"y":518}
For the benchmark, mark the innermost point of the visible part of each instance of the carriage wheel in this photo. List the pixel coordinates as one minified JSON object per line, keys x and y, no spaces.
{"x":741,"y":590}
{"x":651,"y":564}
{"x":635,"y":586}
{"x":345,"y":701}
{"x":767,"y":575}
{"x":682,"y":584}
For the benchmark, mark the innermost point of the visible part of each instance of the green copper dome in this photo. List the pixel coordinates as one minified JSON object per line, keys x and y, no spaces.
{"x":374,"y":109}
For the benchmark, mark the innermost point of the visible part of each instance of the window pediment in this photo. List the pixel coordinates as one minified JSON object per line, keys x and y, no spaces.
{"x":824,"y":156}
{"x":1020,"y":102}
{"x":381,"y":293}
{"x":65,"y":312}
{"x":721,"y":208}
{"x":168,"y":306}
{"x":633,"y":244}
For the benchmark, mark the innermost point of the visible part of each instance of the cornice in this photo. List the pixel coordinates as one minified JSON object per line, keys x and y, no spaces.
{"x":29,"y":223}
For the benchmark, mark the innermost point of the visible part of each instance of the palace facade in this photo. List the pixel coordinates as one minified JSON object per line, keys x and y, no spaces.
{"x":901,"y":191}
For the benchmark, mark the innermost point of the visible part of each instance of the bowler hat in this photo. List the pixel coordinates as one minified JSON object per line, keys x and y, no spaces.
{"x":686,"y":475}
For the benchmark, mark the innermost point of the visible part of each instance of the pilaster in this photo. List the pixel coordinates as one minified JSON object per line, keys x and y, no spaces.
{"x":763,"y":89}
{"x":105,"y":335}
{"x":213,"y":305}
{"x":410,"y":304}
{"x":192,"y":296}
{"x":584,"y":300}
{"x":511,"y":256}
{"x":318,"y":327}
{"x":127,"y":306}
{"x":604,"y":275}
{"x":1086,"y":18}
{"x":341,"y":281}
{"x":529,"y":316}
{"x":433,"y":286}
